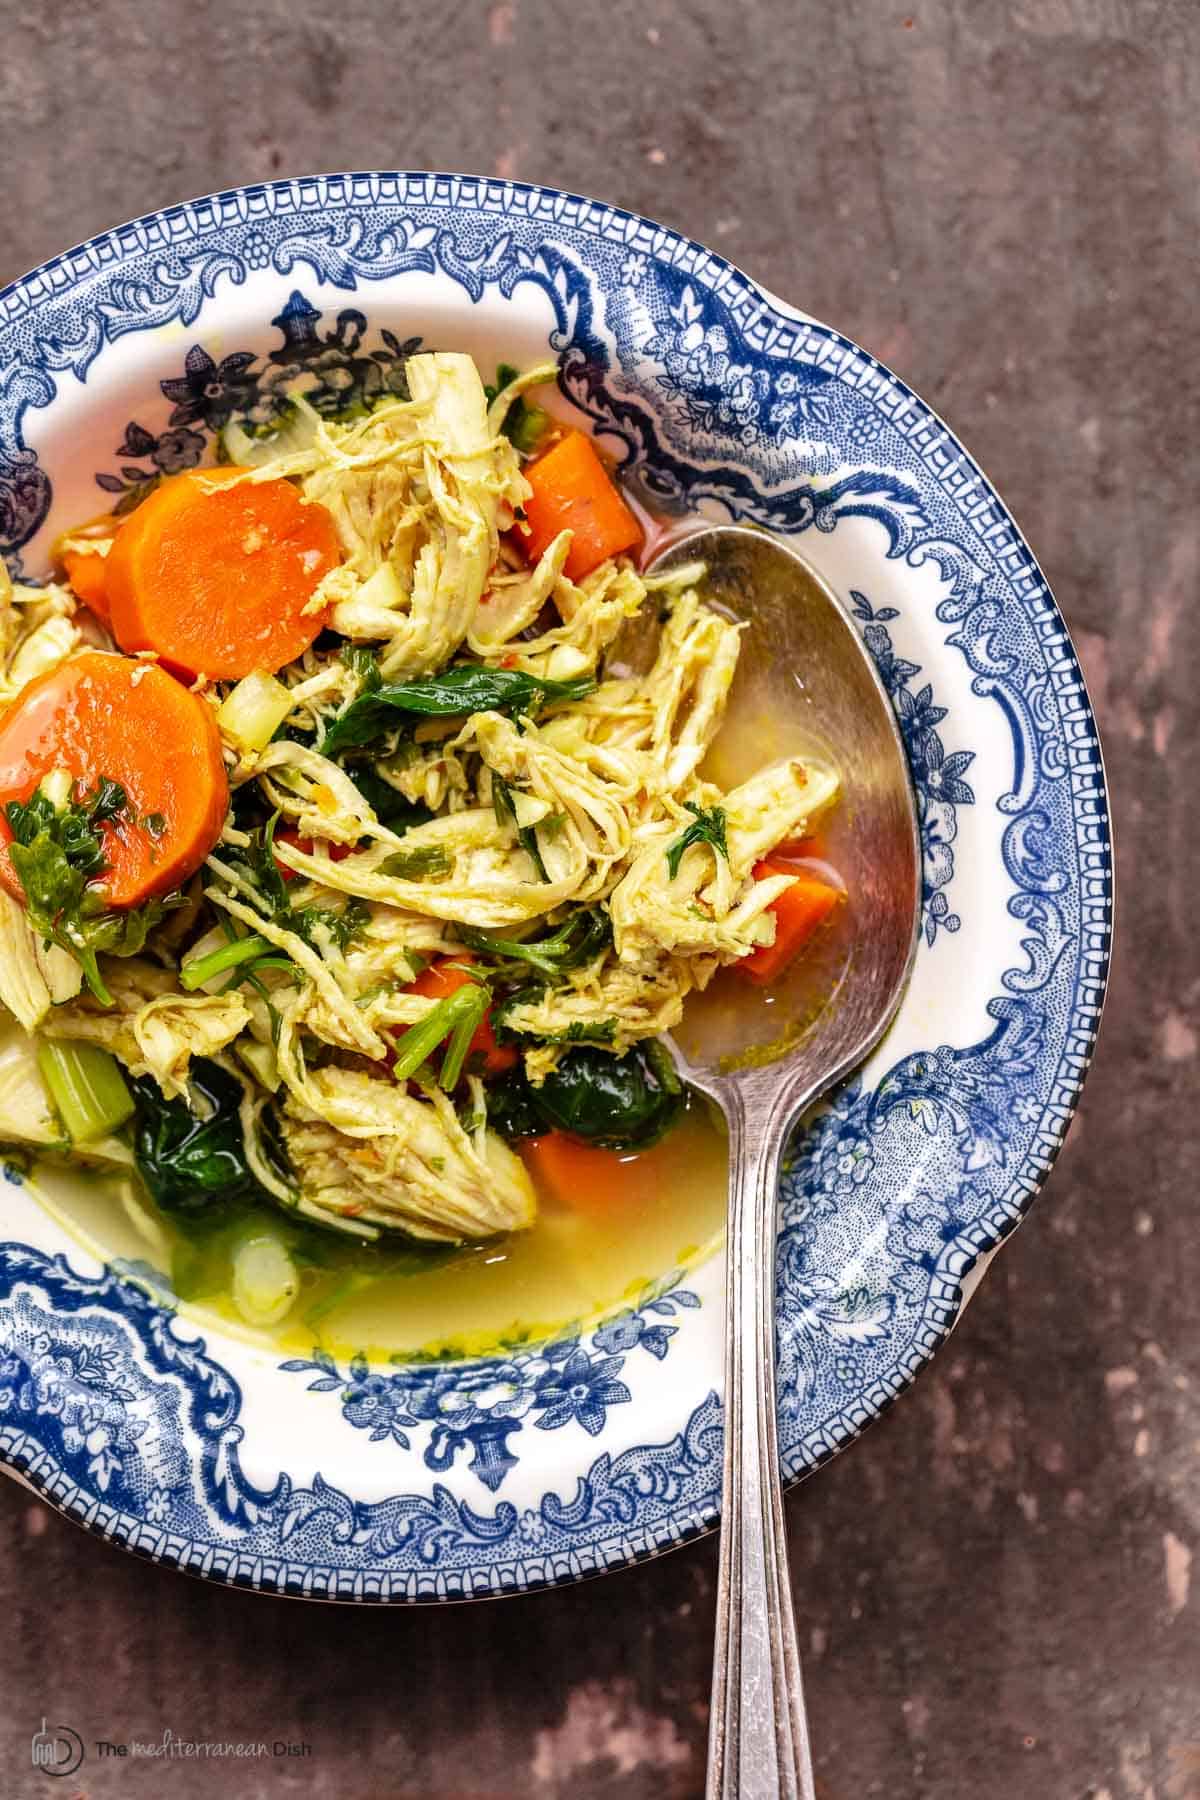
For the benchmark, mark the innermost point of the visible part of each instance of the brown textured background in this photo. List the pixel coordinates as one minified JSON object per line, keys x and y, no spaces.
{"x":996,"y":1586}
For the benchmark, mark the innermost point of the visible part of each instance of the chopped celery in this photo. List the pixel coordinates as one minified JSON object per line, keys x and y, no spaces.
{"x":423,"y":1038}
{"x":296,"y":431}
{"x":460,"y":1038}
{"x":230,"y":956}
{"x":260,"y":1060}
{"x":254,"y":710}
{"x":528,"y":428}
{"x":265,"y":1279}
{"x":509,"y":412}
{"x":87,"y":1087}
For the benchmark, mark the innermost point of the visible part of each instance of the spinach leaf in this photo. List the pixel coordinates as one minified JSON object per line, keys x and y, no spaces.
{"x":465,"y":688}
{"x":249,"y":807}
{"x":414,"y":864}
{"x":386,"y":802}
{"x":364,"y":663}
{"x":506,"y":813}
{"x":191,"y":1163}
{"x":707,"y":827}
{"x":616,"y":1102}
{"x":510,"y":1106}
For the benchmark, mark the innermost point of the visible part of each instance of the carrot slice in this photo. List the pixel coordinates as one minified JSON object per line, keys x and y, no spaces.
{"x":572,"y":491}
{"x":87,"y":574}
{"x":99,"y":715}
{"x":575,"y":1174}
{"x":87,"y":570}
{"x":443,"y":978}
{"x":215,"y":578}
{"x":799,"y":911}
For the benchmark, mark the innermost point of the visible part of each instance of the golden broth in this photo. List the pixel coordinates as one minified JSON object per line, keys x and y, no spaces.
{"x":666,"y":1211}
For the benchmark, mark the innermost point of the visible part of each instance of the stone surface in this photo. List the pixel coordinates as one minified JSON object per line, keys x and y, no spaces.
{"x":995,"y":1586}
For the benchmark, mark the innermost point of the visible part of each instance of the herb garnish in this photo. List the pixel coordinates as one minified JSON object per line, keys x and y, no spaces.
{"x":584,"y":935}
{"x":58,"y":852}
{"x":707,"y":827}
{"x":414,"y":864}
{"x":256,"y":863}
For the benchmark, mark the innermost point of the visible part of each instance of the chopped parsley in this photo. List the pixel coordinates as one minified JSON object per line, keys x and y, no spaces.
{"x":707,"y":827}
{"x":583,"y":937}
{"x":57,"y":850}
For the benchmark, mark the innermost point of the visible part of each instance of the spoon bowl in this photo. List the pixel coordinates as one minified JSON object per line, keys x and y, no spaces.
{"x":764,"y":1064}
{"x":806,"y":684}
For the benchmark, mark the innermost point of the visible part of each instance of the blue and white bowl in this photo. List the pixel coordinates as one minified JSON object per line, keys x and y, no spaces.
{"x":120,"y":359}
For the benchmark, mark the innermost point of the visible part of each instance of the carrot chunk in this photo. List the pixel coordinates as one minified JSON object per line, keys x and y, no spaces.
{"x":215,"y":578}
{"x":87,"y":574}
{"x":443,"y":978}
{"x":86,"y":569}
{"x":99,"y":716}
{"x":575,"y":1174}
{"x":572,"y":491}
{"x":799,"y":911}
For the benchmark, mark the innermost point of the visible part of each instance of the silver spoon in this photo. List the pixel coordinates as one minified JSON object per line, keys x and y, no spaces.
{"x":801,"y":649}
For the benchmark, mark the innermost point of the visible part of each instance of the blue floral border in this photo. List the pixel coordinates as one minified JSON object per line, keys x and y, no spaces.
{"x":88,"y":1361}
{"x":476,"y":1406}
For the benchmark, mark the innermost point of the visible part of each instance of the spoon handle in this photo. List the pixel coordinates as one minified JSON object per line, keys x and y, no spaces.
{"x":758,"y":1736}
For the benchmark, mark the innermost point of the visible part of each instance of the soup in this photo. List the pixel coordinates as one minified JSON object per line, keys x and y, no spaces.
{"x":476,"y":809}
